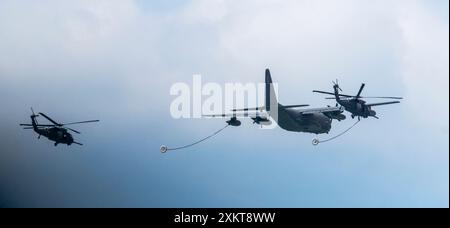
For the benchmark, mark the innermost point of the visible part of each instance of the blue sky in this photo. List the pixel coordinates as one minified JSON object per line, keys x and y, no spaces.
{"x":116,"y":61}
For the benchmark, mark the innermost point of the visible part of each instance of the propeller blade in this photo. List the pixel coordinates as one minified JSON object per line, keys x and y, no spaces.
{"x":360,"y":90}
{"x":73,"y":130}
{"x":49,"y":119}
{"x":88,"y":121}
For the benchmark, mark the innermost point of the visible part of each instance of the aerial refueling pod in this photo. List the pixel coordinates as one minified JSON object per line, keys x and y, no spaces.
{"x":261,"y":120}
{"x":234,"y":122}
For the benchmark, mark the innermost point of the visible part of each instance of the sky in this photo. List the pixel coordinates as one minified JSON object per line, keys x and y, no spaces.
{"x":116,"y":61}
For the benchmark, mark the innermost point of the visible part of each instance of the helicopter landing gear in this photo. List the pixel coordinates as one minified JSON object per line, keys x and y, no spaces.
{"x":353,"y":116}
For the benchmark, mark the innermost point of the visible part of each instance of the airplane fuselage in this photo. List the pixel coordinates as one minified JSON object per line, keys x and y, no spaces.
{"x":295,"y":121}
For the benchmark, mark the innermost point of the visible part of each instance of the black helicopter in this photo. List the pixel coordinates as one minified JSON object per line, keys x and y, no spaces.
{"x":56,"y":131}
{"x":354,"y":104}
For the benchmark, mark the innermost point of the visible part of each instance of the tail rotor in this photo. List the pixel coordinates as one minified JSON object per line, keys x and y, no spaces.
{"x":336,"y":84}
{"x":33,"y":116}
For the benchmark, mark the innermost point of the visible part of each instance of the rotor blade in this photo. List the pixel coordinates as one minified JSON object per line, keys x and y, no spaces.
{"x":344,"y":98}
{"x":73,"y":130}
{"x":49,"y":119}
{"x":360,"y":90}
{"x":397,"y":98}
{"x":78,"y":143}
{"x":323,"y":92}
{"x":329,"y":93}
{"x":384,"y":103}
{"x":88,"y":121}
{"x":27,"y":128}
{"x":39,"y":125}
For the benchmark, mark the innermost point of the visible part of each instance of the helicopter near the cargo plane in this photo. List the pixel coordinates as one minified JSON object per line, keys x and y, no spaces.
{"x":355,"y":104}
{"x":290,"y":118}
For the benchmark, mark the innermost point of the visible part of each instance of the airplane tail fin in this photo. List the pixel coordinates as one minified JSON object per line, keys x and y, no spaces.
{"x":271,"y":97}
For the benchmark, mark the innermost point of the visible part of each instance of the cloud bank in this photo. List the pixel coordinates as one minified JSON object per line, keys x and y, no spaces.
{"x":116,"y":60}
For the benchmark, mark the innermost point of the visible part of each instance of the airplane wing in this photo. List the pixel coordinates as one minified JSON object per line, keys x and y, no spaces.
{"x":322,"y":110}
{"x":295,"y":106}
{"x":383,"y":103}
{"x":246,"y":114}
{"x":249,"y":109}
{"x":264,"y":108}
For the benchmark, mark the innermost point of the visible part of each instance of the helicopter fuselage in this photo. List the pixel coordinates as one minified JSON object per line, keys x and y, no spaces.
{"x":356,"y":107}
{"x":56,"y":134}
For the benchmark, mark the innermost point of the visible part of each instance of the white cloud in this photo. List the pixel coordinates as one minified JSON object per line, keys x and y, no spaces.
{"x":110,"y":60}
{"x":425,"y":64}
{"x":307,"y":43}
